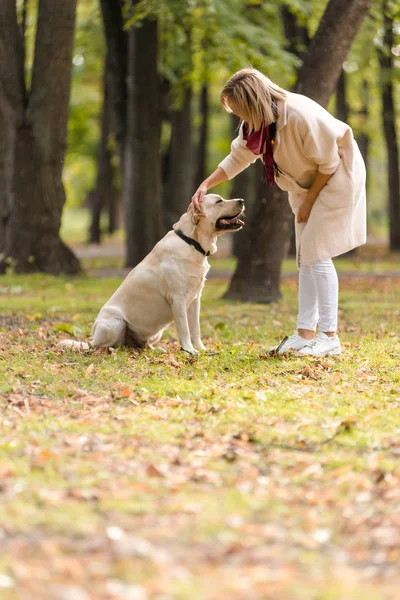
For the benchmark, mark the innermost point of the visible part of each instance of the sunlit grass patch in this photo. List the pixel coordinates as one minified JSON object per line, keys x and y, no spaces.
{"x":229,"y":471}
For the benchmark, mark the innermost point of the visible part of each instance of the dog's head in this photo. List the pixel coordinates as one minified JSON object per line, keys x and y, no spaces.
{"x":222,"y":215}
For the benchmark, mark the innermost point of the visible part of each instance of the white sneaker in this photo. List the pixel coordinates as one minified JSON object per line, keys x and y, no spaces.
{"x":322,"y":345}
{"x":294,"y":342}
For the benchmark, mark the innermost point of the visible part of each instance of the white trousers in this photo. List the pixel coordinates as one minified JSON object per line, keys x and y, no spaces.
{"x":318,"y":296}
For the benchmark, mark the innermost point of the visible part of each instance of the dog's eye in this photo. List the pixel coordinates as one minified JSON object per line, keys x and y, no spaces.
{"x":219,"y":201}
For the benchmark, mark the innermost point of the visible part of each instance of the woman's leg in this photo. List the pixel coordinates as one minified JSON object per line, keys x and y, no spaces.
{"x":308,"y":303}
{"x":308,"y":314}
{"x":326,"y":284}
{"x":326,"y":342}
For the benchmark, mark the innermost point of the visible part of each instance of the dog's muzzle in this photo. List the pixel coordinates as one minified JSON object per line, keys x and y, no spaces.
{"x":231,"y":222}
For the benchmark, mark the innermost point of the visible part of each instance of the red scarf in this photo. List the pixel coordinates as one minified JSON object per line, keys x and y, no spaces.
{"x":262,"y":142}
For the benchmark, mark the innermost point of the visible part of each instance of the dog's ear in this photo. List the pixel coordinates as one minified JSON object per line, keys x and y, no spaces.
{"x":196,"y":218}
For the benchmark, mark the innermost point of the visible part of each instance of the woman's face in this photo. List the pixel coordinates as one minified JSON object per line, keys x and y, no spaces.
{"x":236,"y":111}
{"x":241,"y":116}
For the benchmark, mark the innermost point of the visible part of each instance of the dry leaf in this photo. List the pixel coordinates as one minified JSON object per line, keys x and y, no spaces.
{"x":152,"y":471}
{"x":89,"y":371}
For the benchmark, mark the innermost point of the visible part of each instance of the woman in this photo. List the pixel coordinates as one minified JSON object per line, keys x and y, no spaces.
{"x":315,"y":158}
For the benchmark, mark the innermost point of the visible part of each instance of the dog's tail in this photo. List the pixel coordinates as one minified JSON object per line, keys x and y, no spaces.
{"x":73,"y":345}
{"x":108,"y":332}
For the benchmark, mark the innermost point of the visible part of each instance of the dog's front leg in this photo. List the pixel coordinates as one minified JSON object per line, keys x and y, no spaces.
{"x":194,"y":323}
{"x":181,"y":319}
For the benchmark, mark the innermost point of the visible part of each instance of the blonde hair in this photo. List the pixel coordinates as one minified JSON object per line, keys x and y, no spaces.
{"x":253,"y":97}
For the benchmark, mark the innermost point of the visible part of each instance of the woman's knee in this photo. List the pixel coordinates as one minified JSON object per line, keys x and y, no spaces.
{"x":323,"y":267}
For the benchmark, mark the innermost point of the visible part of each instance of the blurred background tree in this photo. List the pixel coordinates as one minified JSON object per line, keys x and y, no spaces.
{"x":34,"y":106}
{"x":145,"y":125}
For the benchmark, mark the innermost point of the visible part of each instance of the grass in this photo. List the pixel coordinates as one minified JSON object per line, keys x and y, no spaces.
{"x":231,"y":475}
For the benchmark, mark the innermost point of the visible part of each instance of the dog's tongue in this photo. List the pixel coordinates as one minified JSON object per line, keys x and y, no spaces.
{"x":231,"y":220}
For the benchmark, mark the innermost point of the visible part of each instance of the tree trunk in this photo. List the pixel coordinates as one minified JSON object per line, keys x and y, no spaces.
{"x":245,"y":185}
{"x":389,"y":126}
{"x":32,"y":240}
{"x":362,"y":136}
{"x":112,"y":209}
{"x":142,"y":173}
{"x":165,"y":94}
{"x":295,"y":33}
{"x":179,"y":187}
{"x":267,"y":239}
{"x":104,"y":189}
{"x":12,"y":90}
{"x":203,"y":138}
{"x":258,"y":272}
{"x":342,"y":113}
{"x":342,"y":107}
{"x":117,"y":53}
{"x":328,"y":49}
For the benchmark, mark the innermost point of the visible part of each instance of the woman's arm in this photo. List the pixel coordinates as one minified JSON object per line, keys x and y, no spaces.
{"x":320,"y":181}
{"x":218,"y":176}
{"x":239,"y":159}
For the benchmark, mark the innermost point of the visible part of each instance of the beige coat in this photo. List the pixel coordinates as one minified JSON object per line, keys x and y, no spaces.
{"x":309,"y":139}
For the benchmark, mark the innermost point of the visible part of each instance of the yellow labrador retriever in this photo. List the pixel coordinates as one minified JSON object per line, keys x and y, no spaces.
{"x":167,"y":284}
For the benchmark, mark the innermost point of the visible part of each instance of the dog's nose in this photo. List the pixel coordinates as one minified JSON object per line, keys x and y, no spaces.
{"x":241,"y":202}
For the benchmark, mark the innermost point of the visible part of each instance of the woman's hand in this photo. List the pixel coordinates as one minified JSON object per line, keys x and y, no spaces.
{"x":319,"y":182}
{"x":197,"y":198}
{"x":305,"y":209}
{"x":219,"y":176}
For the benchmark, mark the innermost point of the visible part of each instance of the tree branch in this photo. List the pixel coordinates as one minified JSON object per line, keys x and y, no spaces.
{"x":330,"y":46}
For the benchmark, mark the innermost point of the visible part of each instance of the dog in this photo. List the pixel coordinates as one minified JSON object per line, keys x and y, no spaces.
{"x":167,"y":284}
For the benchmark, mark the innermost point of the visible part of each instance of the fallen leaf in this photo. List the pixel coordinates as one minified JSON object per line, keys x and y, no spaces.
{"x":152,"y":471}
{"x":89,"y":371}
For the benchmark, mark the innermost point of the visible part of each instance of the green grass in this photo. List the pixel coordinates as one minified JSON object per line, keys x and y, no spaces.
{"x":226,"y":476}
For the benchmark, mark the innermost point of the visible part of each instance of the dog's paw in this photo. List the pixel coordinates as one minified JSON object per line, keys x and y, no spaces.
{"x":191,"y":351}
{"x":200,"y":347}
{"x":159,"y":349}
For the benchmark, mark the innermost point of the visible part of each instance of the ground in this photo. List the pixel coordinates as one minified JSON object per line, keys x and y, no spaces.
{"x":231,"y":475}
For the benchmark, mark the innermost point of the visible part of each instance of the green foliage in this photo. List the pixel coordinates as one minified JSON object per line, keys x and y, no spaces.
{"x":200,"y":40}
{"x":199,"y":37}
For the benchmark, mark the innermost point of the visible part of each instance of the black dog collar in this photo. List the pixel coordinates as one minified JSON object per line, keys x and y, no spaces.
{"x":191,"y":242}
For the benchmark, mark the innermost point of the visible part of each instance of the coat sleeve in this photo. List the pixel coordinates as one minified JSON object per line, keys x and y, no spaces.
{"x":239,"y":159}
{"x":320,"y":134}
